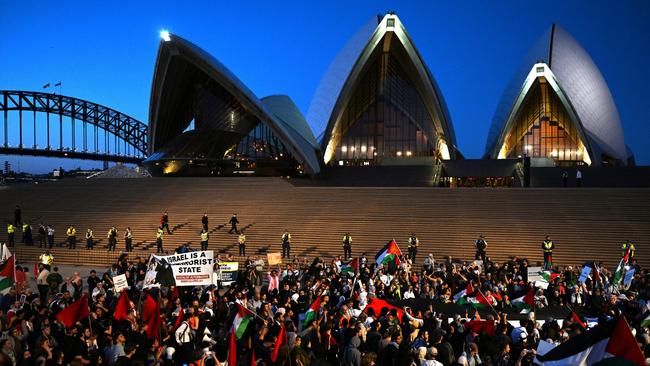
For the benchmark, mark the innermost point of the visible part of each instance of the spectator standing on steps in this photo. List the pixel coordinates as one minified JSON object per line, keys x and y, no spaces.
{"x":128,"y":239}
{"x":233,"y":224}
{"x":578,"y":178}
{"x":241,"y":241}
{"x":565,"y":178}
{"x":286,"y":244}
{"x":89,"y":239}
{"x":205,"y":236}
{"x":164,"y":222}
{"x":159,"y":240}
{"x":18,"y":216}
{"x":72,"y":237}
{"x":204,"y":221}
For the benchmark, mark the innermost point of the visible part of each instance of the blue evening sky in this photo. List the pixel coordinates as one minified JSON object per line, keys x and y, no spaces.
{"x":104,"y":51}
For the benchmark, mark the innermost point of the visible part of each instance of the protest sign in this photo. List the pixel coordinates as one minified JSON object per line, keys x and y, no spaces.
{"x":585,"y":274}
{"x":185,"y":269}
{"x":119,"y":282}
{"x":274,"y":258}
{"x":227,"y":273}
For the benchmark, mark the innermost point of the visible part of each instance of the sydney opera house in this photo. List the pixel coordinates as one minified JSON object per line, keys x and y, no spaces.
{"x":377,"y":105}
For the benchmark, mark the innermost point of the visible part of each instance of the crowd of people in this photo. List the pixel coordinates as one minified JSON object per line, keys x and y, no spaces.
{"x":345,"y":327}
{"x":391,"y":310}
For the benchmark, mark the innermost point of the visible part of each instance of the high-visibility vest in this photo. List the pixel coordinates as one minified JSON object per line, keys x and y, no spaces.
{"x":72,"y":231}
{"x":89,"y":234}
{"x":10,"y":229}
{"x":286,"y":237}
{"x":25,"y":226}
{"x":204,"y":236}
{"x":242,"y":239}
{"x":47,"y":259}
{"x":159,"y":234}
{"x":347,"y":239}
{"x":548,"y":246}
{"x":127,"y":234}
{"x":414,"y":241}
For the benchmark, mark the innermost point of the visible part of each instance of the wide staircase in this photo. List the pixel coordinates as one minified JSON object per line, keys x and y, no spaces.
{"x":585,"y":224}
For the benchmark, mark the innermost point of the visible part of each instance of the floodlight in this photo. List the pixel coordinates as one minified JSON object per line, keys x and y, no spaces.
{"x":165,"y":36}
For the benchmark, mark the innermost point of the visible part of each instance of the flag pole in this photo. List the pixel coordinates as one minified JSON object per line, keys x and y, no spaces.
{"x":491,"y":307}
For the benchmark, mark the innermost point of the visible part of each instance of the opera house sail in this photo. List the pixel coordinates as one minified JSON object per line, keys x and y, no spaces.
{"x":205,"y":121}
{"x":383,"y":105}
{"x":558,"y":108}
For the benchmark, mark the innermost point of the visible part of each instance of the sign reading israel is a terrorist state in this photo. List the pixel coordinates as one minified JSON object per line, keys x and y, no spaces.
{"x":187,"y":269}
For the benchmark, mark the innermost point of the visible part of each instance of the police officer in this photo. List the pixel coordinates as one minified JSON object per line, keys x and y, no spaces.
{"x":204,"y":221}
{"x":128,"y":239}
{"x":233,"y":224}
{"x":50,"y":236}
{"x":481,"y":246}
{"x":241,"y":240}
{"x":89,"y":239}
{"x":27,"y":234}
{"x":11,"y":230}
{"x":72,"y":237}
{"x":347,"y":246}
{"x":286,"y":244}
{"x":42,"y":234}
{"x":159,"y":240}
{"x":112,"y":239}
{"x":414,"y":243}
{"x":164,"y":222}
{"x":628,"y":246}
{"x":205,"y":236}
{"x":547,"y":247}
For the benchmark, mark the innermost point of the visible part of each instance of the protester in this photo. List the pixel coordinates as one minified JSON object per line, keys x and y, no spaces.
{"x":317,"y":312}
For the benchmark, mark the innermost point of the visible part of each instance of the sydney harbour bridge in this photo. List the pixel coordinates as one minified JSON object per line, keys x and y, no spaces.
{"x":51,"y":125}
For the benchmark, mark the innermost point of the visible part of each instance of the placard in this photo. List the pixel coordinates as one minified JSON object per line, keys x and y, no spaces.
{"x":187,"y":269}
{"x":120,"y":283}
{"x":536,"y":278}
{"x":585,"y":274}
{"x":227,"y":273}
{"x":274,"y":258}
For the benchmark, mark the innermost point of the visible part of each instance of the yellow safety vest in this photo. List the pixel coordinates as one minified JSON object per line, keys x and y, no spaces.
{"x":72,"y":231}
{"x":242,"y":239}
{"x":10,"y":229}
{"x":159,"y":234}
{"x":347,"y":239}
{"x":547,"y":246}
{"x":204,"y":236}
{"x":25,"y":226}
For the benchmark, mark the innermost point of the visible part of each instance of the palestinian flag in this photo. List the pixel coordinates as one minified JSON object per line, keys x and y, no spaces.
{"x":312,"y":312}
{"x":618,"y":275}
{"x":478,"y":302}
{"x":377,"y":305}
{"x":610,"y":343}
{"x":466,"y":291}
{"x":389,"y":253}
{"x":479,"y":325}
{"x":548,"y":276}
{"x":243,"y":317}
{"x":576,"y":319}
{"x":350,"y":267}
{"x":525,"y":302}
{"x":7,"y":275}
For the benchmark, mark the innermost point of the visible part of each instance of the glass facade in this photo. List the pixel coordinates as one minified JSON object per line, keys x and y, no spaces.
{"x":385,"y":115}
{"x":260,"y":144}
{"x":543,"y":128}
